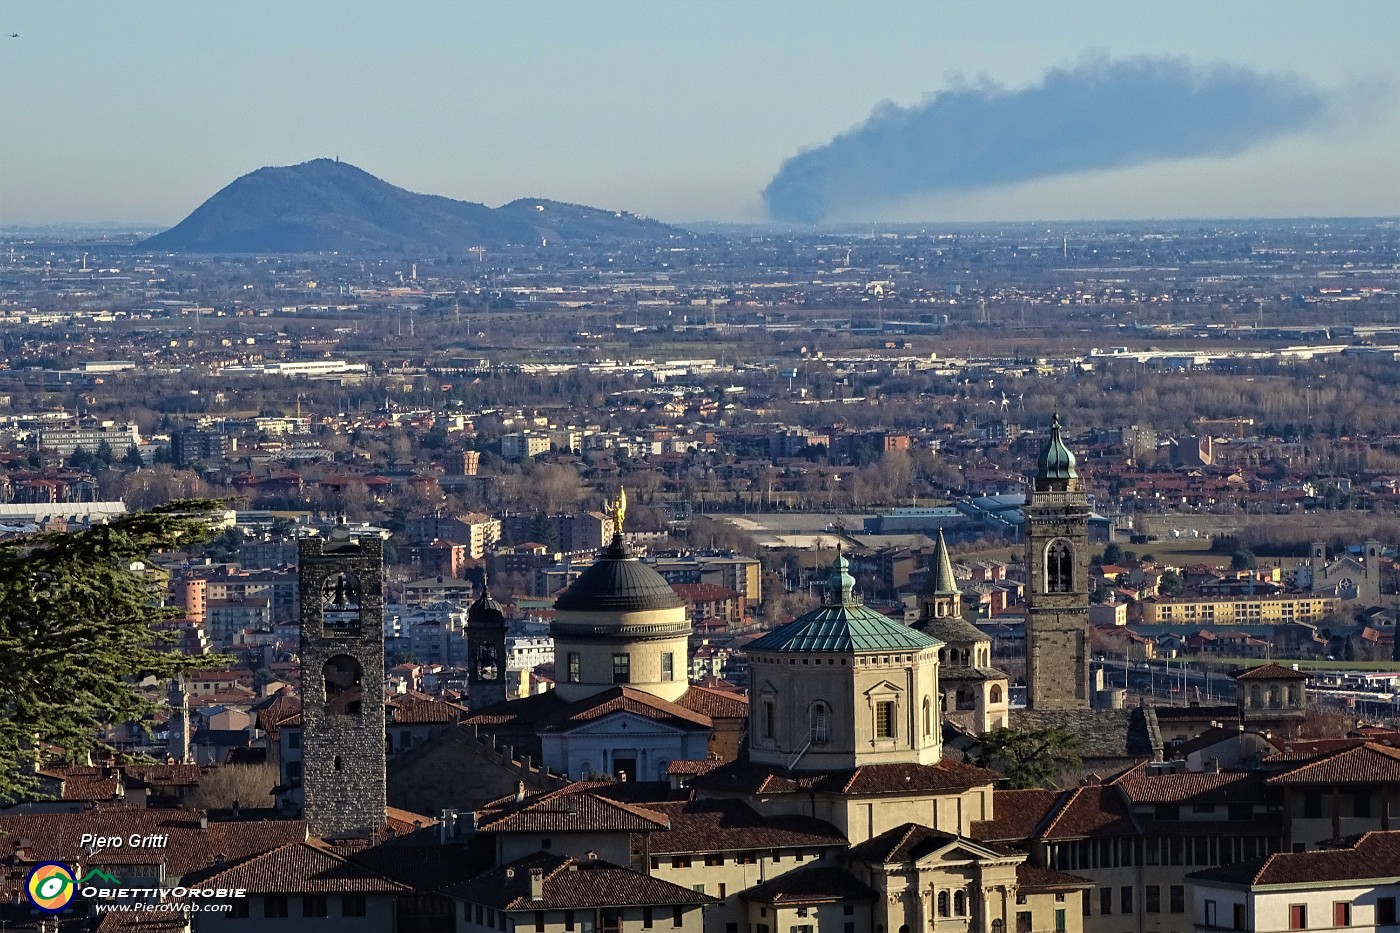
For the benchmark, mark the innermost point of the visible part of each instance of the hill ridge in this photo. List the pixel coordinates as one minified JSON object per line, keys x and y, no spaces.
{"x":326,"y":205}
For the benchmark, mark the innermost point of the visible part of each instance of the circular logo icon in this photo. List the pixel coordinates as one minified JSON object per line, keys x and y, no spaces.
{"x":51,"y":886}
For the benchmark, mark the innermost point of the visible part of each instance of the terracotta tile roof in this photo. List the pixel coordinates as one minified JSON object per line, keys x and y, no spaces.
{"x":1019,"y":813}
{"x":1269,"y":672}
{"x":1306,"y":749}
{"x":617,"y":699}
{"x":902,"y":778}
{"x":522,"y":713}
{"x":412,"y":708}
{"x":571,"y":812}
{"x":417,"y":859}
{"x":732,"y":825}
{"x":905,"y":843}
{"x":1191,"y":787}
{"x":1031,"y":878}
{"x":1096,"y":809}
{"x":686,"y":766}
{"x":717,"y":704}
{"x":406,"y":821}
{"x":570,"y":883}
{"x":1372,"y":856}
{"x":1369,"y":763}
{"x":90,"y":787}
{"x":56,"y":837}
{"x":142,"y":921}
{"x":819,"y":884}
{"x":171,"y":774}
{"x":947,"y":775}
{"x":302,"y":868}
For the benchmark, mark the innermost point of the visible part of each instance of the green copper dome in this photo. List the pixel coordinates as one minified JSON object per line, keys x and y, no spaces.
{"x":1056,"y":464}
{"x":843,"y":624}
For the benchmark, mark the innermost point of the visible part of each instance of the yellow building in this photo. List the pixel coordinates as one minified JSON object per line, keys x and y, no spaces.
{"x":1237,"y":610}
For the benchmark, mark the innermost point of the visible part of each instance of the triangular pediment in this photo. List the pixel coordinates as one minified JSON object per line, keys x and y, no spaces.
{"x":885,"y":688}
{"x":963,"y":850}
{"x":621,"y":723}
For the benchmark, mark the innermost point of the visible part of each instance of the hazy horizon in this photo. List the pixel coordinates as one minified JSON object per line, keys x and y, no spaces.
{"x":895,"y":112}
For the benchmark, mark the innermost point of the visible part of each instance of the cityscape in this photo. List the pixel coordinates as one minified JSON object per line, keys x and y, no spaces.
{"x":763,"y":561}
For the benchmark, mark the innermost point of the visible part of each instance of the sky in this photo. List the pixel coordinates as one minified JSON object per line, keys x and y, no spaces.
{"x":138,"y":111}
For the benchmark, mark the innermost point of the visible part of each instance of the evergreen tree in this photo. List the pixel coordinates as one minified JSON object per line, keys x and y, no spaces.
{"x":77,"y":633}
{"x":1030,"y":759}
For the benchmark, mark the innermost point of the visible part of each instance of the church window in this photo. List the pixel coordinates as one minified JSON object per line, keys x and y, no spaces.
{"x":668,"y":665}
{"x":821,"y":723}
{"x":770,"y":719}
{"x":943,"y":904}
{"x":959,"y":904}
{"x":1275,"y":696}
{"x":1256,"y":697}
{"x":998,"y":925}
{"x":622,"y":668}
{"x":928,"y":717}
{"x":1059,"y":567}
{"x":342,"y":676}
{"x":884,"y":719}
{"x":575,"y":664}
{"x":996,"y":693}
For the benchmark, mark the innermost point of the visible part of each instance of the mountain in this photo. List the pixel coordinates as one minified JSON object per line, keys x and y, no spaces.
{"x":332,"y":206}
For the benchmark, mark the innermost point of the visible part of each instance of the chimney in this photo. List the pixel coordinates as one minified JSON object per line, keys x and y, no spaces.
{"x":520,"y":792}
{"x":537,"y":884}
{"x":204,"y":821}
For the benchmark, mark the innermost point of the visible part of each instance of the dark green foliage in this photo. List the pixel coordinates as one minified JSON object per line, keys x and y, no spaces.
{"x":1030,"y":759}
{"x":1171,"y":584}
{"x":76,"y":634}
{"x":1243,"y":560}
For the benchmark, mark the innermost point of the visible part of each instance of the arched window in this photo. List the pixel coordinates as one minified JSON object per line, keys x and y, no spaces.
{"x":1275,"y":696}
{"x":928,"y":717}
{"x":998,"y":925}
{"x":965,"y":699}
{"x":943,"y":656}
{"x":1295,"y":695}
{"x":821,"y":723}
{"x":943,"y":904}
{"x":388,"y":744}
{"x":342,"y":676}
{"x":1059,"y":567}
{"x":959,"y":904}
{"x":996,"y":693}
{"x":1256,"y":697}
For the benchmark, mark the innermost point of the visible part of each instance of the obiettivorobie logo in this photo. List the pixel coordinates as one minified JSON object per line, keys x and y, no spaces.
{"x":52,"y":886}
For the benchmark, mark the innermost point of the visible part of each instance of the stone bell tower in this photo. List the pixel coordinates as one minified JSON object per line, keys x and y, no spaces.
{"x":486,"y":648}
{"x":1057,"y":594}
{"x":342,"y":684}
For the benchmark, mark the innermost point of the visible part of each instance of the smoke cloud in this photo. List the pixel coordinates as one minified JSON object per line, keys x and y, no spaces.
{"x":1100,"y":114}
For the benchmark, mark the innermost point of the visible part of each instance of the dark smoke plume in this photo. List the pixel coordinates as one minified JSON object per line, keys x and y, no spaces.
{"x":1096,"y":115}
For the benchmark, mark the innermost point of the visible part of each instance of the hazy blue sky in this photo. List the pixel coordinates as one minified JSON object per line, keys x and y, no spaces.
{"x":138,"y":111}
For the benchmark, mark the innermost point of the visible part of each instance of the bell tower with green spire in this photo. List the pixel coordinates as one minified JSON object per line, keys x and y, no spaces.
{"x":1057,"y":592}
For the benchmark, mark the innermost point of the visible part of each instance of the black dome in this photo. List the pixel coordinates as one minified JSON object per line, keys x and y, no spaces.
{"x":618,"y":582}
